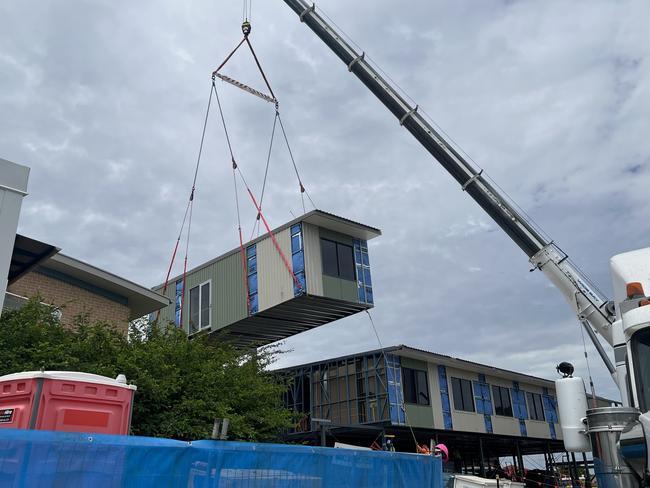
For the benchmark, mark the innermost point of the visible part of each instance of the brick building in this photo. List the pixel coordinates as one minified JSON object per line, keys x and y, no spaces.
{"x":75,"y":287}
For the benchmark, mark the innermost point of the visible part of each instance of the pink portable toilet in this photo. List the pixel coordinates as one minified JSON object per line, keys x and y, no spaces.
{"x":66,"y":401}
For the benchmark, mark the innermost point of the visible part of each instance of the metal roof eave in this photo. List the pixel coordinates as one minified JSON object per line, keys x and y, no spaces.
{"x":415,"y":353}
{"x":27,"y":254}
{"x":141,"y":300}
{"x":315,"y":217}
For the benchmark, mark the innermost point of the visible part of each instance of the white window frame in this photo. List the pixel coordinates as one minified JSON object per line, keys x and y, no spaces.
{"x":189,"y":312}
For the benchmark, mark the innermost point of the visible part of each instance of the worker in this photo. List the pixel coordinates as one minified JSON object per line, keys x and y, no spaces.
{"x":441,"y":450}
{"x":423,"y":449}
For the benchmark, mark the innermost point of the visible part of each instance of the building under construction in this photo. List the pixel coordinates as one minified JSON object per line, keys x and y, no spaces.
{"x":308,"y":272}
{"x":480,"y":412}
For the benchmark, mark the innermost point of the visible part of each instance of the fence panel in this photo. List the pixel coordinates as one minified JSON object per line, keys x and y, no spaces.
{"x":57,"y":459}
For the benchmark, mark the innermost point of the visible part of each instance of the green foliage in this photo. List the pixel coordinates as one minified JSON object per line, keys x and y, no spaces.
{"x":183,"y":385}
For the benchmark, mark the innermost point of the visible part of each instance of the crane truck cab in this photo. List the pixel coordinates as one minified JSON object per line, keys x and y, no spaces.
{"x":631,"y":280}
{"x":618,"y":436}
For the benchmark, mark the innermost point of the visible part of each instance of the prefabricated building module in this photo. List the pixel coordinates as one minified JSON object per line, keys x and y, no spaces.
{"x":309,"y":272}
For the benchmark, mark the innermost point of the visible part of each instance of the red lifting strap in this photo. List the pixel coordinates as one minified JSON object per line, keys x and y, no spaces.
{"x":275,"y":242}
{"x":169,"y":270}
{"x":183,"y":289}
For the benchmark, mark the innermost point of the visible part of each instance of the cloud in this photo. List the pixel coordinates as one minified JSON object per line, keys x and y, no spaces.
{"x":105,"y":101}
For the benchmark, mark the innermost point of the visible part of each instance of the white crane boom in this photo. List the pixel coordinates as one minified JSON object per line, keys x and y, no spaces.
{"x":587,"y":303}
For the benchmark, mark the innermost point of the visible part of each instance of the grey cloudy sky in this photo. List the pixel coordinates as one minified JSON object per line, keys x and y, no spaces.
{"x":104,"y":100}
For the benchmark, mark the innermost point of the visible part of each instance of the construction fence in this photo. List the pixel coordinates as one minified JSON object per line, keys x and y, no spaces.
{"x":30,"y":458}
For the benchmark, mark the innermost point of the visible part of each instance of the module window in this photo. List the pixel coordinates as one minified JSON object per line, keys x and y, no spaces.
{"x":463,"y":396}
{"x":338,"y":259}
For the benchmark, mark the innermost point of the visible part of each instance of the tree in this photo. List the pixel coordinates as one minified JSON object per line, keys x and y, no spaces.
{"x":183,"y":385}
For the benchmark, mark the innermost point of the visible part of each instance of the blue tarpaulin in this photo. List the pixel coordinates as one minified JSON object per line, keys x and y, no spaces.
{"x":42,"y":459}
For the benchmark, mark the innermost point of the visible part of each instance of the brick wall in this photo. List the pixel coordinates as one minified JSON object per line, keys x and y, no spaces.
{"x":72,"y":300}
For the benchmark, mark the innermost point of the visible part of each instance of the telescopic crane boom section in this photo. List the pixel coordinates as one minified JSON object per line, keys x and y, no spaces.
{"x":587,"y":303}
{"x":527,"y":238}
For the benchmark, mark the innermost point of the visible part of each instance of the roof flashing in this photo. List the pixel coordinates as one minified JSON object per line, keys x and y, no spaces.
{"x":316,"y":217}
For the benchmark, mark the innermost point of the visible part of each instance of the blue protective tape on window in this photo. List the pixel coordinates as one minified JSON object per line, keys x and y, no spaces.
{"x":362,"y":267}
{"x":550,"y":409}
{"x":298,"y":260}
{"x":252,"y":284}
{"x":519,"y":408}
{"x":483,"y":400}
{"x":252,"y":265}
{"x":254,"y":304}
{"x":395,"y":391}
{"x":251,"y":271}
{"x":488,"y":424}
{"x":444,"y":397}
{"x":550,"y":412}
{"x":178,"y":302}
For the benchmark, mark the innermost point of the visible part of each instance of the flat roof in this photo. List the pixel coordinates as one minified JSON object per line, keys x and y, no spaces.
{"x":14,"y":177}
{"x":339,"y":224}
{"x":141,"y":300}
{"x":316,"y":217}
{"x":415,"y":353}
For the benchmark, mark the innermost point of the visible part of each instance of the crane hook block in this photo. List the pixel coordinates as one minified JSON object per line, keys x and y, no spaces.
{"x":246,"y":27}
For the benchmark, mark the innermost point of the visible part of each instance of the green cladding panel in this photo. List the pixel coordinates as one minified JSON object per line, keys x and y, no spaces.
{"x":339,"y":289}
{"x":227,"y":293}
{"x":230,"y":292}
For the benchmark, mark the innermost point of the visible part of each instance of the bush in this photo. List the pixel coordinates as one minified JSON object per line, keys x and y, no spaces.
{"x":183,"y":385}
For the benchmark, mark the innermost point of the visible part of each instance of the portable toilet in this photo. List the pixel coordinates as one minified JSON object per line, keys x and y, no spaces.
{"x":306,"y":273}
{"x":66,"y":401}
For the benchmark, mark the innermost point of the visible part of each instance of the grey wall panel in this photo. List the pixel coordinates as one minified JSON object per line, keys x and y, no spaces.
{"x":349,"y":291}
{"x":340,"y":289}
{"x":275,"y":283}
{"x":538,"y":428}
{"x":505,"y":426}
{"x":467,"y":421}
{"x":313,"y":259}
{"x":419,"y":415}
